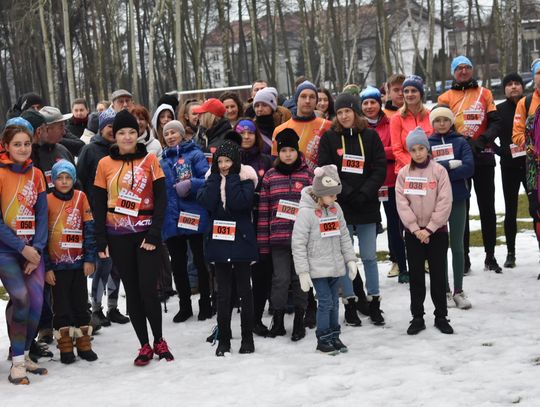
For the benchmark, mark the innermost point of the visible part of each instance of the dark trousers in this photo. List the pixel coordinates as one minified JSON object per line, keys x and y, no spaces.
{"x":396,"y":245}
{"x":178,"y":249}
{"x":511,"y":180}
{"x":435,"y":253}
{"x":261,"y":278}
{"x":224,"y":277}
{"x":70,"y":299}
{"x":139,"y":269}
{"x":46,"y":319}
{"x":484,"y":187}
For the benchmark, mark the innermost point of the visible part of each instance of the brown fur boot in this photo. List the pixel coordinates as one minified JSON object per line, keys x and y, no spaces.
{"x":84,"y":343}
{"x":64,"y":338}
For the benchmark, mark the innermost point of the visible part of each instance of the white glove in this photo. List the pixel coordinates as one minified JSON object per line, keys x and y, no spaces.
{"x":454,"y":164}
{"x":353,"y":269}
{"x":305,"y":281}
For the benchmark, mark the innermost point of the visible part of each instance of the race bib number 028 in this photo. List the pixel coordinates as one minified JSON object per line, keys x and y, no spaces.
{"x":287,"y":209}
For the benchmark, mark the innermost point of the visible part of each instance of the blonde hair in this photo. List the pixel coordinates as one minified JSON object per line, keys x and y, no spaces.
{"x":403,"y":110}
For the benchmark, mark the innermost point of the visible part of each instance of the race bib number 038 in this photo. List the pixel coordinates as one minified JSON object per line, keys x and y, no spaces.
{"x":415,"y":186}
{"x":329,"y":226}
{"x":224,"y":230}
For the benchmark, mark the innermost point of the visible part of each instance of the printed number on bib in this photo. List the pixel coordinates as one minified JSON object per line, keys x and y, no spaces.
{"x":287,"y":209}
{"x":329,"y":226}
{"x":208,"y":158}
{"x":72,"y":239}
{"x":48,"y":178}
{"x":26,"y":225}
{"x":353,"y":163}
{"x":443,"y":152}
{"x":415,"y":186}
{"x":383,"y":194}
{"x":472,"y":117}
{"x":517,"y":151}
{"x":128,"y":205}
{"x":224,"y":230}
{"x":189,"y":221}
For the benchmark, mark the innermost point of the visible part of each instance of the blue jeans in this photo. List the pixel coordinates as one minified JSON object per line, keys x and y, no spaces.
{"x":396,"y":243}
{"x":328,"y":304}
{"x":367,"y":243}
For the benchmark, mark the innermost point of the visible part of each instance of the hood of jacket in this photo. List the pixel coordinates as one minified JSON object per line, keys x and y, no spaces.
{"x":182,"y":148}
{"x":98,"y":139}
{"x":146,"y":138}
{"x":306,"y":199}
{"x":7,"y":162}
{"x":160,"y":109}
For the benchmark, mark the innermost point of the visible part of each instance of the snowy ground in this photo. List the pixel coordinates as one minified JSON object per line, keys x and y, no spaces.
{"x":493,"y":359}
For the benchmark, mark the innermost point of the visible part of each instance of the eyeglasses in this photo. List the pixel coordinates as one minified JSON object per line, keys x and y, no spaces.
{"x":464,"y":68}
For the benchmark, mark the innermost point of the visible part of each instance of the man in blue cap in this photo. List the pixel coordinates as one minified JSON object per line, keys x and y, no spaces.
{"x":478,"y":121}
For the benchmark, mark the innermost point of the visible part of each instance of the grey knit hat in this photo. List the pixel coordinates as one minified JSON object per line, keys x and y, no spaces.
{"x":326,"y":181}
{"x":176,"y":125}
{"x":415,"y":137}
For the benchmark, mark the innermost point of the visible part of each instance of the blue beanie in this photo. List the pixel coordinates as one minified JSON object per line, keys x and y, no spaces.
{"x":371,"y":93}
{"x":63,"y":166}
{"x":303,"y":86}
{"x":415,"y":81}
{"x":106,"y":117}
{"x":19,"y":121}
{"x":535,"y":66}
{"x":460,"y":60}
{"x":415,"y":137}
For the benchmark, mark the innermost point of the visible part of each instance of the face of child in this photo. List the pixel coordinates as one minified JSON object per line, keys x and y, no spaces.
{"x":165,"y":117}
{"x":172,"y":137}
{"x":224,"y":164}
{"x":419,"y":153}
{"x":328,"y":199}
{"x":19,"y":148}
{"x":442,"y":125}
{"x":192,"y":118}
{"x":63,"y":183}
{"x":396,"y":94}
{"x":248,"y":139}
{"x":288,"y":155}
{"x":143,"y":124}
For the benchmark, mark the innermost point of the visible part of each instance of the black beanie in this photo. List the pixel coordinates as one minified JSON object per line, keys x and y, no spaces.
{"x":512,"y":77}
{"x":124,"y":119}
{"x":229,"y":149}
{"x":234,"y":137}
{"x":347,"y":100}
{"x":287,"y":138}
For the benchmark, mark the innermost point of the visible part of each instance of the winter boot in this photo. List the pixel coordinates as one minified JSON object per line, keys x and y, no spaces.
{"x":146,"y":354}
{"x":510,"y":262}
{"x":361,"y":303}
{"x":310,"y":317}
{"x":33,"y":367}
{"x":325,"y":343}
{"x":224,"y":346}
{"x":83,"y":342}
{"x":441,"y":323}
{"x":64,"y":338}
{"x":114,"y":315}
{"x":299,"y":330}
{"x":162,"y":350}
{"x":394,"y":271}
{"x":404,"y":277}
{"x":490,"y":264}
{"x":260,"y":329}
{"x":375,"y":313}
{"x":417,"y":325}
{"x":351,"y":314}
{"x":17,"y":373}
{"x":185,"y":311}
{"x":277,"y":328}
{"x":98,"y":318}
{"x":38,"y":350}
{"x":46,"y":336}
{"x":461,"y":301}
{"x":247,"y":345}
{"x":340,"y":346}
{"x":205,"y":309}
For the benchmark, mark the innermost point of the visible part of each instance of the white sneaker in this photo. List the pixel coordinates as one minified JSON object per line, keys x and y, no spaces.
{"x":394,"y":271}
{"x":450,"y":301}
{"x":17,"y":374}
{"x":33,"y":367}
{"x":462,"y":301}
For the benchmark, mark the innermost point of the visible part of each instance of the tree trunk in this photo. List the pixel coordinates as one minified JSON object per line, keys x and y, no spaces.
{"x":156,"y":16}
{"x":288,"y":62}
{"x":133,"y":51}
{"x":305,"y":41}
{"x":384,"y":38}
{"x":255,"y":60}
{"x":178,"y":43}
{"x":69,"y":54}
{"x":47,"y":51}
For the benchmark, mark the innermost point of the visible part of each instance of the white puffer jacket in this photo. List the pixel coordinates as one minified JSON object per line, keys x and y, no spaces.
{"x":320,"y":256}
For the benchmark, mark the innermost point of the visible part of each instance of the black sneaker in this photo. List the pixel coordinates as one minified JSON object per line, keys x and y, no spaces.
{"x":38,"y":350}
{"x":325,"y":345}
{"x":442,"y":325}
{"x":114,"y":315}
{"x":510,"y":262}
{"x":260,"y":329}
{"x":490,"y":264}
{"x":223,"y":347}
{"x":99,"y":318}
{"x":417,"y":325}
{"x":340,"y":346}
{"x":247,"y":345}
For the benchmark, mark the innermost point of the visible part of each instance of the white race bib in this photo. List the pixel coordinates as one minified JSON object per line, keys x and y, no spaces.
{"x":189,"y":221}
{"x":224,"y":230}
{"x":329,"y":226}
{"x":287,"y":209}
{"x":72,"y":239}
{"x":383,"y":194}
{"x":517,"y":151}
{"x":353,"y":164}
{"x":415,"y":186}
{"x":25,"y":225}
{"x":128,"y":205}
{"x":443,"y":152}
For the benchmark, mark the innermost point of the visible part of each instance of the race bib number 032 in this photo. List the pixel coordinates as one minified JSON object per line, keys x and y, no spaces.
{"x":329,"y":226}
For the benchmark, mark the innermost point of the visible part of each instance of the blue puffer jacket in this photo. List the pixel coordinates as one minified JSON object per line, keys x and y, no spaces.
{"x":185,"y":161}
{"x":462,"y":151}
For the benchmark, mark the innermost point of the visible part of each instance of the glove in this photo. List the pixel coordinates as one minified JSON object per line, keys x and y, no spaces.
{"x":183,"y":188}
{"x":305,"y":281}
{"x":534,"y":205}
{"x":353,"y":269}
{"x":235,"y":167}
{"x":453,"y":164}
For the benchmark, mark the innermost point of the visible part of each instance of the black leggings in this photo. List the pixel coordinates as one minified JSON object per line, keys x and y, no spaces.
{"x":261,"y":277}
{"x":511,"y":180}
{"x":70,"y":299}
{"x":139,"y":270}
{"x":178,"y":248}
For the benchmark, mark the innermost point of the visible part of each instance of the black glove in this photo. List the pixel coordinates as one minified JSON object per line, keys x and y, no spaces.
{"x":534,"y":205}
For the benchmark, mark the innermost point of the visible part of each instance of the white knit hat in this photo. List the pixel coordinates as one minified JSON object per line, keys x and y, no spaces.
{"x":267,"y":96}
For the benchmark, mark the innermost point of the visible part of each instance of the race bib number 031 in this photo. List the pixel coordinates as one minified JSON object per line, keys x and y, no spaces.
{"x":224,"y":230}
{"x":415,"y":186}
{"x":189,"y":221}
{"x":329,"y":226}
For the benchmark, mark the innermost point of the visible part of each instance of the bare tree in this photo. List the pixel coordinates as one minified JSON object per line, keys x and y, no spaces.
{"x":69,"y":54}
{"x":47,"y":50}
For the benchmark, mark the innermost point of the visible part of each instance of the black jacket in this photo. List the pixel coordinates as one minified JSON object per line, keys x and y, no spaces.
{"x":215,"y":135}
{"x":72,"y":143}
{"x":44,"y":156}
{"x":506,"y":112}
{"x":358,"y":199}
{"x":88,"y":161}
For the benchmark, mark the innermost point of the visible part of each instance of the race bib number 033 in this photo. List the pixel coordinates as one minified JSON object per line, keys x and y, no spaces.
{"x":353,"y":164}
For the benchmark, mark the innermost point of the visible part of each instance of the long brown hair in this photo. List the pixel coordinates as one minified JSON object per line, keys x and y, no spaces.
{"x":259,"y":142}
{"x":10,"y":132}
{"x":360,"y":123}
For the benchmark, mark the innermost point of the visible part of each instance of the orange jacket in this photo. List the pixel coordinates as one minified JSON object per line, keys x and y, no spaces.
{"x":400,"y":127}
{"x":520,"y":117}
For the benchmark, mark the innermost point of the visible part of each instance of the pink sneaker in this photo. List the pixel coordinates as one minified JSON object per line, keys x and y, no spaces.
{"x":145,"y":356}
{"x":162,"y":350}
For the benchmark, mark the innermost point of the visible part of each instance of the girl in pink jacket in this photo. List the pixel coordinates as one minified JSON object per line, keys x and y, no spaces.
{"x":424,"y":202}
